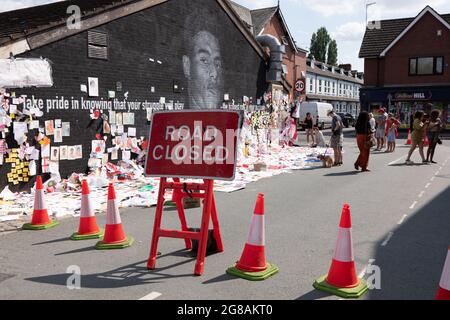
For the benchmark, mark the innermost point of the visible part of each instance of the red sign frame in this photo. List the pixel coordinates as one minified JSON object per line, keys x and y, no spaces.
{"x":167,"y":132}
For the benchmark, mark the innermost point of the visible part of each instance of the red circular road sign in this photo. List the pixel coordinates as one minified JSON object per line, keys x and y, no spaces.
{"x":300,"y":86}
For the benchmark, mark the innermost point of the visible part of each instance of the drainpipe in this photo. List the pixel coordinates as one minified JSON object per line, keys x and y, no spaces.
{"x":276,"y":56}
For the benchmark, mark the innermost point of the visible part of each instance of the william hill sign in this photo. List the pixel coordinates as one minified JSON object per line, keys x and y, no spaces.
{"x":402,"y":96}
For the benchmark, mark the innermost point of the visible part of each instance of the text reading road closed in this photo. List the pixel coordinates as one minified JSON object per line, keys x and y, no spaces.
{"x":193,"y":144}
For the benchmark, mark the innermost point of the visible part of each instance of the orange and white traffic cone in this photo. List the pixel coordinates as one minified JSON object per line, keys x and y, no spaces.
{"x":444,"y":285}
{"x":114,"y":237}
{"x":252,"y":265}
{"x":341,"y":279}
{"x":40,"y":219}
{"x":88,"y":228}
{"x":409,"y":141}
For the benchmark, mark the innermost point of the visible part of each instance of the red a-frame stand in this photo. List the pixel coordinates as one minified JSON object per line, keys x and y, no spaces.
{"x":184,"y":190}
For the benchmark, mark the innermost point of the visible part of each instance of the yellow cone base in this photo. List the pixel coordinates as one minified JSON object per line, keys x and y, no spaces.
{"x":29,"y":226}
{"x":254,"y":276}
{"x":77,"y":237}
{"x":352,"y":293}
{"x":121,"y":245}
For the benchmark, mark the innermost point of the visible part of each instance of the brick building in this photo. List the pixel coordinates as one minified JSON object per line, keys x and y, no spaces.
{"x":139,"y":54}
{"x":407,"y":64}
{"x":270,"y":21}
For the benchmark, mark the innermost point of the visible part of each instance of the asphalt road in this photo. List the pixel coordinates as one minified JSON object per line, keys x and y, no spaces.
{"x":400,"y":218}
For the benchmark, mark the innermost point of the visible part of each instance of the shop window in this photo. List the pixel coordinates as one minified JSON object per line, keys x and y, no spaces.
{"x":426,"y":66}
{"x":97,"y":45}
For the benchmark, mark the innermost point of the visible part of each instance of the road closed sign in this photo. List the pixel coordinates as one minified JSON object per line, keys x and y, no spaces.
{"x":193,"y":144}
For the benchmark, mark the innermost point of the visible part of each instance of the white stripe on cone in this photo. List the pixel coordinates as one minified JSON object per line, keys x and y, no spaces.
{"x":344,"y":246}
{"x":39,"y":202}
{"x":112,"y":213}
{"x":256,"y":235}
{"x":86,"y":208}
{"x":445,"y":279}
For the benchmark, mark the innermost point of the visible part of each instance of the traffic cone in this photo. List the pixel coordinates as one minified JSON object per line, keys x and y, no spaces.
{"x":40,"y":219}
{"x":426,"y":142}
{"x":252,"y":265}
{"x":88,"y":228}
{"x":444,"y":285}
{"x":341,"y":279}
{"x":114,"y":237}
{"x":409,"y":141}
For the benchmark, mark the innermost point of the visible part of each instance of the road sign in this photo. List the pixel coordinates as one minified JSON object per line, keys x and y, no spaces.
{"x":300,"y":85}
{"x":193,"y":144}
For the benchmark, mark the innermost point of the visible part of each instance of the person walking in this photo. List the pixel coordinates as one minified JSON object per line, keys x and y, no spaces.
{"x":381,"y":129}
{"x":373,"y":122}
{"x":337,"y":137}
{"x":308,"y":123}
{"x":434,"y":129}
{"x":363,"y":137}
{"x":419,"y":128}
{"x":392,"y":133}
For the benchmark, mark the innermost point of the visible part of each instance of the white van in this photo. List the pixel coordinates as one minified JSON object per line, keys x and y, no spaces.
{"x":318,"y":112}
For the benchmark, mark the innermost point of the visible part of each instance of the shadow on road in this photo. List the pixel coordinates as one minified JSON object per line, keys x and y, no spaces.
{"x":341,"y":174}
{"x":130,"y":275}
{"x":52,"y":241}
{"x":221,"y":278}
{"x":314,"y":295}
{"x":412,"y":261}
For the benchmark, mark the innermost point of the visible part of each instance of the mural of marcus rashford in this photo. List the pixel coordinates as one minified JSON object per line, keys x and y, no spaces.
{"x":202,"y":63}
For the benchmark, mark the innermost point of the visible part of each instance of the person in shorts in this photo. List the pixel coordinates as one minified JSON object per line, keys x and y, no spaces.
{"x":308,"y":123}
{"x":337,"y":137}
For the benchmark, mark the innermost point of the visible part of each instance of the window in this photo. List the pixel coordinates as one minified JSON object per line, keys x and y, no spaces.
{"x":426,"y":66}
{"x":97,"y":45}
{"x":320,"y":86}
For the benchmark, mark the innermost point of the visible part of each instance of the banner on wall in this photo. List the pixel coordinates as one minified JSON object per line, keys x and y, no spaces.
{"x":22,"y":73}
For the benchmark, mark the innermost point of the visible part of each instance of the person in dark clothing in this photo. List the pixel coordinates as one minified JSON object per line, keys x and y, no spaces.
{"x":308,"y":122}
{"x":363,"y":134}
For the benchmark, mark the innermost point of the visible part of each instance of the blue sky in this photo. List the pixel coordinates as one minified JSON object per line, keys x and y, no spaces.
{"x":344,"y":19}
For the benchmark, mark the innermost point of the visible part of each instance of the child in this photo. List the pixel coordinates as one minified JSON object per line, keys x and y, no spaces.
{"x":319,"y":139}
{"x":392,"y":134}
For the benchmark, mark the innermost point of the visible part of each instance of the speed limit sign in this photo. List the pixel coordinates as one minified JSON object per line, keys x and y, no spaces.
{"x":300,"y":85}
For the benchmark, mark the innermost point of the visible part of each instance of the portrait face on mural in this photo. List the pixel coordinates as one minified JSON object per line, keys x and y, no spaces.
{"x":202,"y":65}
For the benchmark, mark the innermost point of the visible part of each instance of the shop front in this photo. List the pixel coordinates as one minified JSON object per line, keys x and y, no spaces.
{"x":404,"y":102}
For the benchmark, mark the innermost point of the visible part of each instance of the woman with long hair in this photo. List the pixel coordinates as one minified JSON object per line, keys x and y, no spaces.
{"x":363,"y":134}
{"x":419,"y":129}
{"x":434,"y":129}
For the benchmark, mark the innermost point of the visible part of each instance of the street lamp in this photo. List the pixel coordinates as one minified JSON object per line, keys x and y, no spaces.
{"x":367,"y":7}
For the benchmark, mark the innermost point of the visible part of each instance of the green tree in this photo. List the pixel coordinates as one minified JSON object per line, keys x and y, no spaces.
{"x":323,"y":48}
{"x":332,"y":56}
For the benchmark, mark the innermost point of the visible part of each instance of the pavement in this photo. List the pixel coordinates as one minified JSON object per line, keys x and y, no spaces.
{"x":400,"y":225}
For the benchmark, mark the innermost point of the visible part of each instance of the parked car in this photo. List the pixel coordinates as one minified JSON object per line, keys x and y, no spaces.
{"x":318,"y":112}
{"x":347,"y":119}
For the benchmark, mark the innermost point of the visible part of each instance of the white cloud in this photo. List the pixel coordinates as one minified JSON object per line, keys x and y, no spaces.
{"x":330,"y":8}
{"x":350,"y":31}
{"x":388,"y":9}
{"x":256,"y":4}
{"x":9,"y":5}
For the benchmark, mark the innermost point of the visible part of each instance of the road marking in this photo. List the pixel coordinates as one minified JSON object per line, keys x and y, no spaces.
{"x":432,"y":178}
{"x":421,"y":194}
{"x":437,"y":173}
{"x":385,"y":242}
{"x":402,"y":219}
{"x":394,"y":162}
{"x":428,"y":185}
{"x":413,"y":205}
{"x":440,"y":168}
{"x":151,"y":296}
{"x":363,"y":272}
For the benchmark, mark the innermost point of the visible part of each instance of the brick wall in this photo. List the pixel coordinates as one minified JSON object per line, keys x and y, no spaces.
{"x":154,"y":33}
